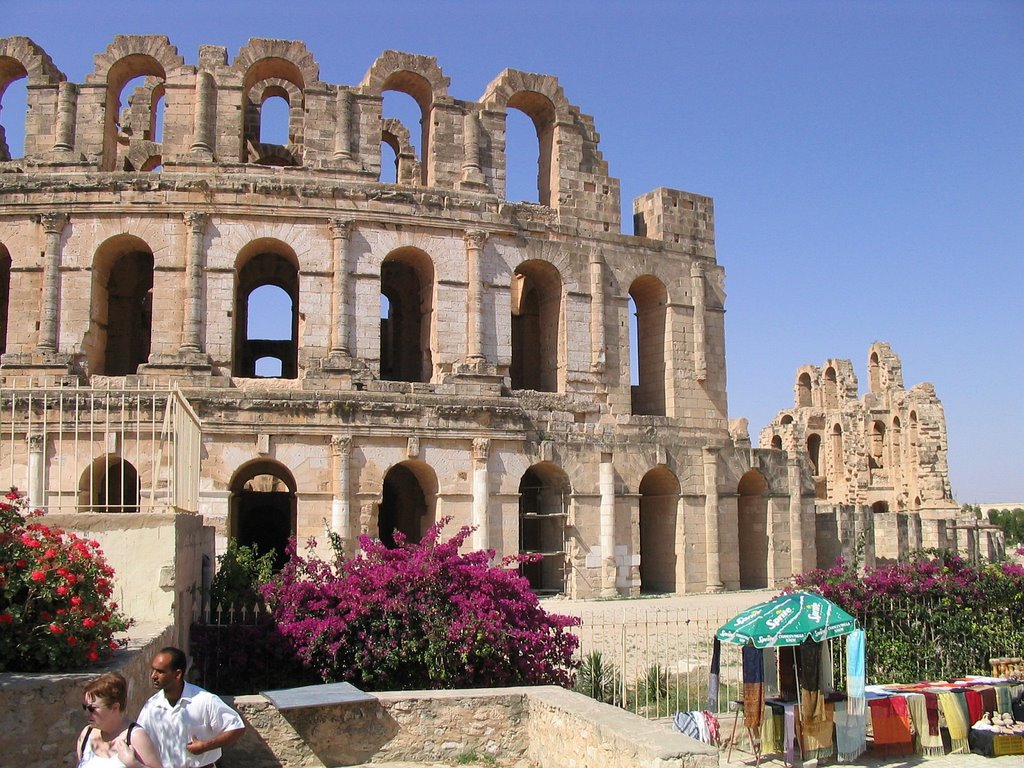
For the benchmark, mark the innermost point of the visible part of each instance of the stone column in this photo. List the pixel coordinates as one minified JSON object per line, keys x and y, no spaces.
{"x":66,"y":93}
{"x":471,"y":173}
{"x":204,"y":106}
{"x":340,"y":229}
{"x":700,"y":362}
{"x":196,"y":223}
{"x":475,"y":240}
{"x":606,"y":481}
{"x":341,"y":510}
{"x":795,"y":515}
{"x":36,"y":472}
{"x":482,"y":533}
{"x":714,"y":566}
{"x":343,"y":126}
{"x":597,"y":349}
{"x":53,"y":225}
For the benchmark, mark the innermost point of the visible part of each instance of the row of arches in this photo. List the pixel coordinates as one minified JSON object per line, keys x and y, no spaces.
{"x":281,"y":96}
{"x":267,"y":307}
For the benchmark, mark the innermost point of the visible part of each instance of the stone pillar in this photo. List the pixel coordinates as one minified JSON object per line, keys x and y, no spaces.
{"x":53,"y":225}
{"x":340,"y":229}
{"x":196,"y":223}
{"x":796,"y":527}
{"x":475,"y":240}
{"x":482,"y":533}
{"x":341,"y":511}
{"x":343,"y":126}
{"x":36,"y":472}
{"x":66,"y":112}
{"x":700,"y":362}
{"x":471,"y":173}
{"x":714,"y":566}
{"x":597,"y":339}
{"x":606,"y":481}
{"x":204,"y":106}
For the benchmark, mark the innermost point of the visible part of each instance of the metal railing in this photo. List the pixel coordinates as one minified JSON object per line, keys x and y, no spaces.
{"x":75,"y":448}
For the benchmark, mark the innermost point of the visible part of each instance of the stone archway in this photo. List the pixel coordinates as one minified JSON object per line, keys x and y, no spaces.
{"x":263,"y":508}
{"x":752,"y":522}
{"x":407,"y":503}
{"x":660,"y":559}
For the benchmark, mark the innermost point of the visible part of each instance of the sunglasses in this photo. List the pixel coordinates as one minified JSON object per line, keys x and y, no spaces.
{"x":93,"y":708}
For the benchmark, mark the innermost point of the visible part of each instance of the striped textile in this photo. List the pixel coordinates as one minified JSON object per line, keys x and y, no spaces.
{"x":954,"y":708}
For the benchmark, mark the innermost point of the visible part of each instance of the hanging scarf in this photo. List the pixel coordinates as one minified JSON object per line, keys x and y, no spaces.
{"x":954,"y":707}
{"x":855,"y":679}
{"x":818,"y":735}
{"x":812,"y":699}
{"x":771,"y":730}
{"x":1004,"y":699}
{"x":928,"y":744}
{"x":753,"y":687}
{"x":715,"y":676}
{"x":975,"y":705}
{"x":890,"y":722}
{"x":851,"y":733}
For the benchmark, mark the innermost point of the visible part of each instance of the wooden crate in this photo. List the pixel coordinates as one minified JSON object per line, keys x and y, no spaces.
{"x":1003,"y":744}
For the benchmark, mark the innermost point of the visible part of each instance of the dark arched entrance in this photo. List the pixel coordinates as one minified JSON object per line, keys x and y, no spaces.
{"x":407,"y":503}
{"x":543,"y":508}
{"x":659,"y":559}
{"x":263,"y":508}
{"x":752,"y":520}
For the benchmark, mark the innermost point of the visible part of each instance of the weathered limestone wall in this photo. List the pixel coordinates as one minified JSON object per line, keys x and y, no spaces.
{"x":549,"y":726}
{"x":50,"y":706}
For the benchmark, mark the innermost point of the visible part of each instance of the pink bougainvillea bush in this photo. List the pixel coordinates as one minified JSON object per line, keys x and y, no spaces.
{"x":420,"y":616}
{"x":55,"y":588}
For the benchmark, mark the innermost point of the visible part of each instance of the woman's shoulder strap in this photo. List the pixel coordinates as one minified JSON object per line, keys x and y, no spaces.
{"x":128,"y":737}
{"x":84,"y":740}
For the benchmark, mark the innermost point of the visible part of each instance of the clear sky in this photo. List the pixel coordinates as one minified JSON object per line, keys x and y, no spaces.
{"x":866,"y":161}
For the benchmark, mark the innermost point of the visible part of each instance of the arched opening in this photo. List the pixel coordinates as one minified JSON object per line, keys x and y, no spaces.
{"x":275,"y":113}
{"x":13,"y":108}
{"x":263,"y":508}
{"x":874,"y":373}
{"x":389,"y":154}
{"x":407,"y":504}
{"x":143,"y":77}
{"x":813,"y":451}
{"x":777,"y":442}
{"x":5,"y":294}
{"x":110,"y":484}
{"x":412,"y":103}
{"x":650,"y":299}
{"x":880,"y":507}
{"x":407,"y":291}
{"x":876,"y":452}
{"x":838,"y":460}
{"x":660,"y":560}
{"x":896,"y":443}
{"x":121,"y":317}
{"x":536,"y":327}
{"x":752,"y":520}
{"x":541,"y":111}
{"x":266,"y":309}
{"x":522,"y":158}
{"x":803,"y":391}
{"x":543,"y":509}
{"x":831,"y":389}
{"x":273,"y":104}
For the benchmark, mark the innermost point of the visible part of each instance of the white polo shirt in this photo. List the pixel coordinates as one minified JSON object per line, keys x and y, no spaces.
{"x":198,"y":714}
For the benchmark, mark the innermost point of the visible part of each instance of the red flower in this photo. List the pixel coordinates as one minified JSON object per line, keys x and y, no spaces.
{"x":56,"y":629}
{"x":76,"y":601}
{"x":62,"y":590}
{"x":91,"y":655}
{"x":20,"y":563}
{"x":6,"y":618}
{"x":72,"y":640}
{"x":88,"y":623}
{"x":38,"y":576}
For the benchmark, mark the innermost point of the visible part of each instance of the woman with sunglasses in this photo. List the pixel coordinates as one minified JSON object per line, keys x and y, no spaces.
{"x":111,"y":739}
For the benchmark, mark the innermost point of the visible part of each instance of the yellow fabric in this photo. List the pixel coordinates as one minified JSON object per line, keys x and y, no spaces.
{"x":955,"y":712}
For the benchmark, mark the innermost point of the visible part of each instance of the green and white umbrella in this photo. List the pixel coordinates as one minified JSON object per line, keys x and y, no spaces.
{"x":788,"y":619}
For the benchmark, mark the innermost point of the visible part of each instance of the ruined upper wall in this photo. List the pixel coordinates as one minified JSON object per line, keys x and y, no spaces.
{"x":212,"y":115}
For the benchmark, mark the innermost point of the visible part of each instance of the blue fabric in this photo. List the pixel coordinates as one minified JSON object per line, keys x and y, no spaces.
{"x":855,"y":677}
{"x":753,"y":664}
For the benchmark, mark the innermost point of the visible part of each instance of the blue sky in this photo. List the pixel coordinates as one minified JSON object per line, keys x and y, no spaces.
{"x":866,"y":160}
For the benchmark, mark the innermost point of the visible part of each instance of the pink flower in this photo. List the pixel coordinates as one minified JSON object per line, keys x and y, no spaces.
{"x":38,"y":576}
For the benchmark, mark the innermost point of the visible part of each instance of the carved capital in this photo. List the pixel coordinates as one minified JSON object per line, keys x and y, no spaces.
{"x":53,"y":223}
{"x":340,"y":228}
{"x":481,"y":448}
{"x":475,"y":238}
{"x":340,"y":445}
{"x":196,"y":221}
{"x":35,"y":443}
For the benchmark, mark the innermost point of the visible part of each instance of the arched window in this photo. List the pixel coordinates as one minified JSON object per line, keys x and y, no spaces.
{"x":752,"y":521}
{"x":543,"y":510}
{"x":661,"y":560}
{"x":274,"y":116}
{"x":536,"y":327}
{"x":407,"y":503}
{"x":522,"y":158}
{"x":402,"y":133}
{"x":813,"y":449}
{"x":263,"y":510}
{"x":110,"y":484}
{"x":541,"y":111}
{"x":266,"y":311}
{"x":831,"y":389}
{"x":5,"y":294}
{"x":135,"y":88}
{"x":874,"y":373}
{"x":121,"y":317}
{"x":876,"y":452}
{"x":407,"y":291}
{"x":650,"y":299}
{"x":777,"y":442}
{"x":411,"y":106}
{"x":838,"y":458}
{"x":13,"y":108}
{"x":803,"y":391}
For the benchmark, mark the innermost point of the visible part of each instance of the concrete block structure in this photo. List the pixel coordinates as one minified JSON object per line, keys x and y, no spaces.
{"x":438,"y":351}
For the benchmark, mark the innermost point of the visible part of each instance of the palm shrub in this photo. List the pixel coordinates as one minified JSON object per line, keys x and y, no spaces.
{"x":599,"y":679}
{"x":421,"y":615}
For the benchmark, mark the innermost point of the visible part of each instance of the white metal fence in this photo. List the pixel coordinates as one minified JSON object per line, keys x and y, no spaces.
{"x":78,"y":448}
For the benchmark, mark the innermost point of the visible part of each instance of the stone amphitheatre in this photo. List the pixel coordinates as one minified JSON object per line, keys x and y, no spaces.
{"x":495,"y":388}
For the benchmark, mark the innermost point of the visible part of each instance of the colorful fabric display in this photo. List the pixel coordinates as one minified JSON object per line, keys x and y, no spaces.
{"x":817,"y":735}
{"x":812,"y":699}
{"x":927,"y":743}
{"x":954,"y":708}
{"x":753,"y":688}
{"x":975,"y":704}
{"x":851,"y":732}
{"x":1004,"y":699}
{"x":890,"y":722}
{"x":771,"y":729}
{"x":855,"y":679}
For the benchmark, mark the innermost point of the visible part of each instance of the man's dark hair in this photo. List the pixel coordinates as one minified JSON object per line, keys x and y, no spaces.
{"x":178,"y":658}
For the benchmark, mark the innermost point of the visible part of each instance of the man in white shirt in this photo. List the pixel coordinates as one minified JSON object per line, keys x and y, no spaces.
{"x":189,"y":724}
